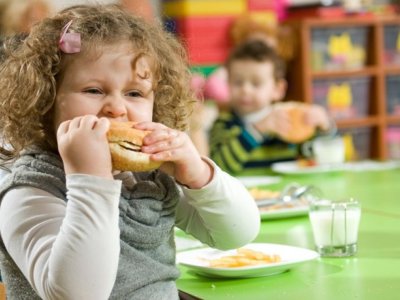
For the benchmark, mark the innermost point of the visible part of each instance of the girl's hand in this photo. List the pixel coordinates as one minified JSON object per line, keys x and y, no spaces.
{"x":174,"y":146}
{"x":83,"y":146}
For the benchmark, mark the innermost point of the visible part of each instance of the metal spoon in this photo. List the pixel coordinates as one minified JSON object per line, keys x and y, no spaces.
{"x":289,"y":192}
{"x":292,"y":192}
{"x":285,"y":197}
{"x":307,"y":189}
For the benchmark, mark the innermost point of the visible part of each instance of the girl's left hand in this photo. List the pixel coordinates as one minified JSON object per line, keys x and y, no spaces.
{"x":176,"y":147}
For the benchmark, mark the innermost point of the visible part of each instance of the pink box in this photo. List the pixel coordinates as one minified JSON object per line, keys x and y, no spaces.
{"x":262,"y":4}
{"x":393,"y":142}
{"x":206,"y":38}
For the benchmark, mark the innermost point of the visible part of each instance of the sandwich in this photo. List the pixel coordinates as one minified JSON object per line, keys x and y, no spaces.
{"x":125,"y":146}
{"x":301,"y":130}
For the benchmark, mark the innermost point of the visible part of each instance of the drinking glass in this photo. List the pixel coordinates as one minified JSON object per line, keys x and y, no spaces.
{"x":335,"y":226}
{"x":325,"y":150}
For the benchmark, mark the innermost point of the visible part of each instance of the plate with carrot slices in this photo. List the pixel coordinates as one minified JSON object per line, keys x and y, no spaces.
{"x":252,"y":260}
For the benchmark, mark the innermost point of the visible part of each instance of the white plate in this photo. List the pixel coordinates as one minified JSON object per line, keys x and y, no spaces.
{"x":183,"y":243}
{"x":370,"y":165}
{"x":197,"y":260}
{"x":292,"y":167}
{"x":287,"y":212}
{"x":253,"y":181}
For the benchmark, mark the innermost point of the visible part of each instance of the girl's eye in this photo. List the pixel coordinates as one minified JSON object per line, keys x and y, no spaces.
{"x":93,"y":91}
{"x":134,"y":94}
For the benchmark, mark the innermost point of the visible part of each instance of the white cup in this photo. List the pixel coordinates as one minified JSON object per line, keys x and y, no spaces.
{"x":325,"y":150}
{"x":335,"y":226}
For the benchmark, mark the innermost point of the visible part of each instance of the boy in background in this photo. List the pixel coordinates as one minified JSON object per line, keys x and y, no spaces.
{"x":245,"y":28}
{"x":256,"y":131}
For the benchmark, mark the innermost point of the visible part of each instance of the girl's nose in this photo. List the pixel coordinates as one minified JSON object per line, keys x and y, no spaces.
{"x":114,"y":107}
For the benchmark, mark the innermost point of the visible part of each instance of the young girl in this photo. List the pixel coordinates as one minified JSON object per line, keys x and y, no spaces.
{"x":71,"y":227}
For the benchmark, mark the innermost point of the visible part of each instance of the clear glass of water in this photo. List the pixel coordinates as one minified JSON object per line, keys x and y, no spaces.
{"x":335,"y":226}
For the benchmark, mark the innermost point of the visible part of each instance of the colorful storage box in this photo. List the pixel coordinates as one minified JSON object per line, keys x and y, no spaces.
{"x":185,"y":8}
{"x":275,"y":7}
{"x":357,"y":143}
{"x":392,"y":44}
{"x":338,"y":48}
{"x":205,"y":38}
{"x":265,"y":16}
{"x":344,"y":98}
{"x":393,"y":142}
{"x":393,"y":94}
{"x":263,"y":4}
{"x":204,"y":70}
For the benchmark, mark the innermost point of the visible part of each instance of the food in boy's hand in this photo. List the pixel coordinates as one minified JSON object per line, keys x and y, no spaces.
{"x":301,"y":131}
{"x":243,"y":258}
{"x":125,"y":145}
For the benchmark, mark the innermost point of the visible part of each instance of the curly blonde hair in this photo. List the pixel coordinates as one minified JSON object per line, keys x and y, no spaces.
{"x":30,"y":72}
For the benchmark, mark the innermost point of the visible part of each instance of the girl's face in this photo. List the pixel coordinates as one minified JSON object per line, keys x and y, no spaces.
{"x":253,"y":86}
{"x":108,"y":85}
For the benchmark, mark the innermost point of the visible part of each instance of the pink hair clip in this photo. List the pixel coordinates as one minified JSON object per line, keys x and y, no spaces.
{"x":70,"y":42}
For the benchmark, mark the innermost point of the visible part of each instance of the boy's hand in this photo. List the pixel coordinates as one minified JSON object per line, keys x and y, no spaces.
{"x":317,"y":116}
{"x":170,"y":145}
{"x":83,"y":146}
{"x":277,"y":122}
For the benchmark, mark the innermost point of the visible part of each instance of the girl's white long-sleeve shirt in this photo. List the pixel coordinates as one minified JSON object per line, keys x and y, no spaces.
{"x":70,"y":250}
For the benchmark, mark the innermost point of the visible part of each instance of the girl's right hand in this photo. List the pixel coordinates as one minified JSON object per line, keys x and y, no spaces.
{"x":83,"y":146}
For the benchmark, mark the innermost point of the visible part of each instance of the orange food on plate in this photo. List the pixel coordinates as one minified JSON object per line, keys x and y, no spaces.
{"x":243,"y":258}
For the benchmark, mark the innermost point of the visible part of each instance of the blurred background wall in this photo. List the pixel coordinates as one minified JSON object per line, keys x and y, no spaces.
{"x":60,"y":4}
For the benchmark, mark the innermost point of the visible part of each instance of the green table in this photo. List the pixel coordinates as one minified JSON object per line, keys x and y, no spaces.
{"x":374,"y":273}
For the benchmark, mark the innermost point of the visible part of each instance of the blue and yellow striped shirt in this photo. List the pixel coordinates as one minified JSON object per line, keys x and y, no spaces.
{"x":239,"y":153}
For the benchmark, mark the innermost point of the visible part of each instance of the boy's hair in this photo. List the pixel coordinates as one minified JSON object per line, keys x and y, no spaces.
{"x":30,"y":72}
{"x":258,"y":51}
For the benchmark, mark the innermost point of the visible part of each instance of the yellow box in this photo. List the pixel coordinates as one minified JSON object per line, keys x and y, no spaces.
{"x":185,"y":8}
{"x":265,"y":17}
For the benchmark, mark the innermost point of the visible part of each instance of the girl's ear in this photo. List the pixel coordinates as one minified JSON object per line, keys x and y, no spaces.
{"x":280,"y":90}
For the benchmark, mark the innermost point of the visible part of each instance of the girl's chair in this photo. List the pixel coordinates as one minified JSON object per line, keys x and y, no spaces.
{"x":2,"y":291}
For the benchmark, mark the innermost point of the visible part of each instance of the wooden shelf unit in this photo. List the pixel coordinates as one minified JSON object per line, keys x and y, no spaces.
{"x":301,"y":74}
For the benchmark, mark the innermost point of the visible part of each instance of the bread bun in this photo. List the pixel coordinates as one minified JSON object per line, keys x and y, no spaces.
{"x":125,"y":146}
{"x":301,"y":131}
